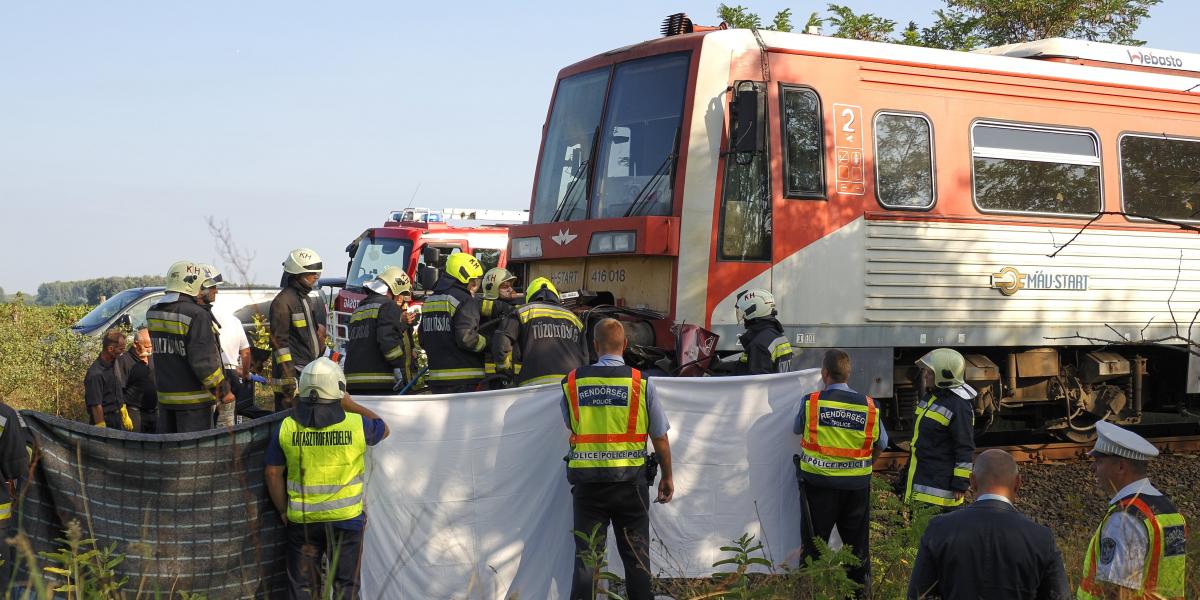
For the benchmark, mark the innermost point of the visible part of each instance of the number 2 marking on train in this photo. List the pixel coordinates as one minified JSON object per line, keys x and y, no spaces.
{"x":848,"y":114}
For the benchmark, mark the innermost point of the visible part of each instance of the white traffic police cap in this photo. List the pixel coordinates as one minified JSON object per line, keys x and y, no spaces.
{"x":1111,"y":439}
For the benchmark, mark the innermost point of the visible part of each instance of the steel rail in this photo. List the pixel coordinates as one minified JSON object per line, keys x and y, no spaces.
{"x":1056,"y":451}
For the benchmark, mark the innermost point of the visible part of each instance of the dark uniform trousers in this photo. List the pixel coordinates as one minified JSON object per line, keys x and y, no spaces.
{"x":850,"y":510}
{"x":184,"y":420}
{"x":627,"y":505}
{"x":309,"y":546}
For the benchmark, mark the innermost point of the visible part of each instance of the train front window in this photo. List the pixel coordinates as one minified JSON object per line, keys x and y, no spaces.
{"x":562,"y":183}
{"x":1158,"y":177}
{"x":375,"y":255}
{"x":1022,"y":168}
{"x":638,"y":143}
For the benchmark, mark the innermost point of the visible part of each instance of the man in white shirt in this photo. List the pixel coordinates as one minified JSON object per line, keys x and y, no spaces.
{"x":234,"y":345}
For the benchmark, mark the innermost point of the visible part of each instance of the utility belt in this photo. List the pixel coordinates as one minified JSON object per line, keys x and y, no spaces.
{"x":650,"y":468}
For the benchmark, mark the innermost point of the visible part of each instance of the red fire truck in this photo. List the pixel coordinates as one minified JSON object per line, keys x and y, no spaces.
{"x":420,"y":239}
{"x":1034,"y":206}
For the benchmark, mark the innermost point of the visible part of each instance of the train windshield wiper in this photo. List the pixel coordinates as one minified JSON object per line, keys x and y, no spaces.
{"x":585,"y":167}
{"x":639,"y":200}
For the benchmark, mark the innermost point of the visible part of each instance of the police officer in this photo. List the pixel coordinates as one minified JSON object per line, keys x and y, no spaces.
{"x":766,"y":349}
{"x":1140,"y":548}
{"x":548,"y":336}
{"x":188,"y":368}
{"x":943,"y":444}
{"x":499,"y":301}
{"x":841,"y":436}
{"x":610,"y":414}
{"x":315,"y":476}
{"x":379,"y":353}
{"x":295,"y":320}
{"x":449,"y":328}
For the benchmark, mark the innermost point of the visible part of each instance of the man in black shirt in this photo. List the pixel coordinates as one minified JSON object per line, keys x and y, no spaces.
{"x":135,"y":369}
{"x":102,"y":389}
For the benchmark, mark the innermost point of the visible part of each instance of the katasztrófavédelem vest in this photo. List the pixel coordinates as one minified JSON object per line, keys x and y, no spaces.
{"x":324,"y":469}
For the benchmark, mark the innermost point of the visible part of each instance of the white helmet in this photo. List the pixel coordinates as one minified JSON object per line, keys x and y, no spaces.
{"x":212,"y":277}
{"x":753,"y":304}
{"x":493,"y":279}
{"x":396,"y":281}
{"x":302,"y":260}
{"x":185,"y":277}
{"x":321,"y":382}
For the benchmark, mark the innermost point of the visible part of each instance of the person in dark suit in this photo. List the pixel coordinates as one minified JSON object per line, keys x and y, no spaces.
{"x":989,"y":550}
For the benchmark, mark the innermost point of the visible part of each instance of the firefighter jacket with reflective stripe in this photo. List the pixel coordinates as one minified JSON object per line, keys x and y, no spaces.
{"x":606,"y":407}
{"x":767,"y":350}
{"x":942,"y":450}
{"x":450,"y":335}
{"x":549,"y":338}
{"x":491,"y":315}
{"x":379,"y":342}
{"x":1165,"y":569}
{"x":839,"y":439}
{"x":324,"y":469}
{"x":14,"y":456}
{"x":188,"y":368}
{"x":294,"y":338}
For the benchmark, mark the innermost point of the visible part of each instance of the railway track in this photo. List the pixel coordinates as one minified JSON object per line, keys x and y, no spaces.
{"x":1052,"y":451}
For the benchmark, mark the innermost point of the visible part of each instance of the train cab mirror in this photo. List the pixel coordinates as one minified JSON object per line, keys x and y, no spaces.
{"x":746,"y":115}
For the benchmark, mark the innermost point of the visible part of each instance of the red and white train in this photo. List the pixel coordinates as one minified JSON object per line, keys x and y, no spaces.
{"x":894,"y":199}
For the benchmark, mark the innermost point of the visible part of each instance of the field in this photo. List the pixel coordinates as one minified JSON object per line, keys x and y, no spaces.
{"x":44,"y":362}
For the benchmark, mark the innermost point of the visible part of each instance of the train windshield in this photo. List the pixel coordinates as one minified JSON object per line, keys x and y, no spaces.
{"x":635,"y":142}
{"x":374,"y":255}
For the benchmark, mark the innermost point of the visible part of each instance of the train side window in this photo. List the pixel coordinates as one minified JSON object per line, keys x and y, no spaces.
{"x":904,"y":161}
{"x":1029,"y":169}
{"x":803,"y":143}
{"x":746,"y":196}
{"x":1158,"y":177}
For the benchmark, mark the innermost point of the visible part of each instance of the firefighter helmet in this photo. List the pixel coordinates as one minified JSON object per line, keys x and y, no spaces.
{"x":754,"y":304}
{"x":321,"y":382}
{"x":463,"y":267}
{"x":212,"y":277}
{"x":185,"y":277}
{"x":538,"y":285}
{"x":948,"y":367}
{"x":396,"y":280}
{"x":493,"y":279}
{"x":301,"y":261}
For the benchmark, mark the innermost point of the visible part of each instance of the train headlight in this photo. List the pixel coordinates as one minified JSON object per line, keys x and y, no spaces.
{"x":612,"y":242}
{"x":527,"y":247}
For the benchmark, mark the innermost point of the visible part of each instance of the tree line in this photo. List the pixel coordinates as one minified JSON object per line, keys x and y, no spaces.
{"x":90,"y":291}
{"x":971,"y":24}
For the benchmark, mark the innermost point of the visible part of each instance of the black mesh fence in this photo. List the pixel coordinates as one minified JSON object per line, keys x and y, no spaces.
{"x":189,"y":512}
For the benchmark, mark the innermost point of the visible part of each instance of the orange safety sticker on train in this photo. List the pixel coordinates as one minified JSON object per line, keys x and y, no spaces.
{"x":850,"y":169}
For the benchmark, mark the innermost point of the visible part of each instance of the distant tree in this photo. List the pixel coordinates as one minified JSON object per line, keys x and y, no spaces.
{"x":90,"y":291}
{"x":3,"y":298}
{"x":969,"y":24}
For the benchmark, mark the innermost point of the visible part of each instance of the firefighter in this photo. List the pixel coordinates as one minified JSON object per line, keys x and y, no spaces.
{"x":610,"y":412}
{"x":379,"y":353}
{"x":841,"y":436}
{"x":232,"y":343}
{"x":499,"y":300}
{"x":1140,"y":548}
{"x":14,"y":470}
{"x":315,"y":470}
{"x":449,"y":328}
{"x":294,"y":322}
{"x":765,"y":348}
{"x":942,"y":450}
{"x":548,"y":337}
{"x":187,"y":363}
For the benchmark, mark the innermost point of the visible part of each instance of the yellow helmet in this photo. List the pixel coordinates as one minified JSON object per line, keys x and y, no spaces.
{"x":322,"y":382}
{"x":463,"y":267}
{"x":185,"y":277}
{"x":396,"y":280}
{"x":948,"y":367}
{"x":537,"y":285}
{"x":302,"y":260}
{"x":492,"y":281}
{"x":212,"y":277}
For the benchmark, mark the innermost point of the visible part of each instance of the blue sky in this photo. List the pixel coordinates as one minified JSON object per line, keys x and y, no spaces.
{"x":124,"y":124}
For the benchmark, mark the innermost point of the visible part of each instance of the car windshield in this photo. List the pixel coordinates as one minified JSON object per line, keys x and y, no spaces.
{"x":635,"y":147}
{"x":375,"y":255}
{"x":109,"y":308}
